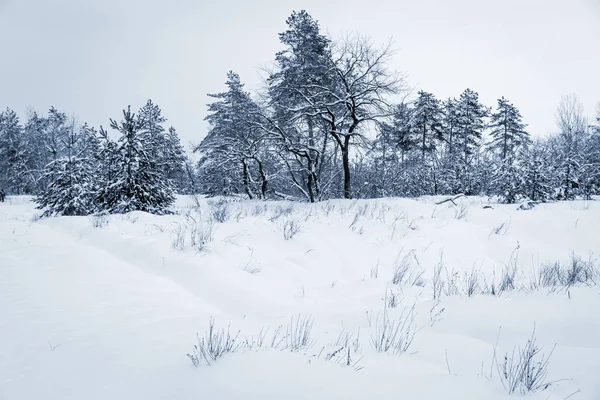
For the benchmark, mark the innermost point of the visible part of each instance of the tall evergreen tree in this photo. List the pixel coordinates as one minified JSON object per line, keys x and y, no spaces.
{"x":427,"y":123}
{"x":471,"y":116}
{"x":137,"y":182}
{"x":15,"y":176}
{"x":234,"y":141}
{"x":72,"y":177}
{"x":509,"y":138}
{"x":300,"y":83}
{"x":507,"y":130}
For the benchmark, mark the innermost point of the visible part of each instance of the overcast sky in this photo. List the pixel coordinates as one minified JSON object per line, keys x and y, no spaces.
{"x":91,"y":58}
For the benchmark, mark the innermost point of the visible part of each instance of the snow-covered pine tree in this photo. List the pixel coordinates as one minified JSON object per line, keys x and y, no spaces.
{"x":136,"y":183}
{"x":164,"y":146}
{"x":537,"y":184}
{"x":426,"y":128}
{"x":71,"y":179}
{"x":175,"y":163}
{"x":35,"y":132}
{"x":450,"y":157}
{"x":471,"y":116}
{"x":304,"y":75}
{"x":234,"y":142}
{"x":15,"y":176}
{"x":509,"y":139}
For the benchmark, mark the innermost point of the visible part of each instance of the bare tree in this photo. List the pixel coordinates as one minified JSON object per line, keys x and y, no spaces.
{"x":572,"y":126}
{"x":360,"y":95}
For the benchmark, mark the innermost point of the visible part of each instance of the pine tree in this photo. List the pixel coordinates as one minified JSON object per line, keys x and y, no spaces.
{"x":234,"y":141}
{"x":427,"y":123}
{"x":302,"y":81}
{"x":15,"y":176}
{"x":71,"y":178}
{"x":71,"y":187}
{"x":471,"y":116}
{"x":509,"y":138}
{"x":507,"y":130}
{"x":137,"y":182}
{"x":428,"y":136}
{"x":537,"y":183}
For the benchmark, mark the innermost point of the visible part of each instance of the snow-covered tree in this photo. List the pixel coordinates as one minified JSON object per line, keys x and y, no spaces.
{"x":509,"y":139}
{"x":235,"y":144}
{"x":303,"y":76}
{"x":470,"y":124}
{"x":537,"y":184}
{"x":15,"y":176}
{"x":572,"y":126}
{"x":427,"y":123}
{"x":72,"y":178}
{"x":135,"y":182}
{"x":507,"y":130}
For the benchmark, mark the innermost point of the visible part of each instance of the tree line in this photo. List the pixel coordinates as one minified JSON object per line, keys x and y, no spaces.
{"x":309,"y":133}
{"x":75,"y":169}
{"x":332,"y":121}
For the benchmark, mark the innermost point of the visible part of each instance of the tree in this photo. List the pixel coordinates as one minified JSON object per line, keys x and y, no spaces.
{"x":234,"y":141}
{"x":71,"y":178}
{"x":470,"y":121}
{"x":537,"y":183}
{"x":303,"y":70}
{"x":427,"y":123}
{"x":507,"y":130}
{"x":426,"y":127}
{"x":14,"y":157}
{"x":71,"y":187}
{"x":509,"y":138}
{"x":137,"y":182}
{"x":572,"y":126}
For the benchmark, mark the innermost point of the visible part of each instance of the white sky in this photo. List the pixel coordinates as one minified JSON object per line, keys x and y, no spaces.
{"x":91,"y":58}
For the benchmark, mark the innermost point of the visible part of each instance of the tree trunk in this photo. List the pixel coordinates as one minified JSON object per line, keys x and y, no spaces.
{"x":265,"y":180}
{"x":245,"y":179}
{"x":346,"y":164}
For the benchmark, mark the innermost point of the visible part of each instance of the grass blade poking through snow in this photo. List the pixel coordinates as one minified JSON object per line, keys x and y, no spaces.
{"x":394,"y":335}
{"x":525,"y":369}
{"x":213,"y":345}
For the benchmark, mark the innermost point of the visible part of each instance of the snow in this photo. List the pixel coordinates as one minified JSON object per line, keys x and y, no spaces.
{"x":111,"y":311}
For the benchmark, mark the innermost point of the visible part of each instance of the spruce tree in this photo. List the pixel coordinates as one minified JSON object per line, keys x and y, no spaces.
{"x":72,"y":178}
{"x":471,"y":116}
{"x":509,"y":138}
{"x":427,"y":132}
{"x":234,"y":140}
{"x":137,"y":182}
{"x":15,"y":175}
{"x":302,"y":81}
{"x":537,"y":184}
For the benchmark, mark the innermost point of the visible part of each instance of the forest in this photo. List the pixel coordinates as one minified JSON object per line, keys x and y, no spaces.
{"x":332,"y":120}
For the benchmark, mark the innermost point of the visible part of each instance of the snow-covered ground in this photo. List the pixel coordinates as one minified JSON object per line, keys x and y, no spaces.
{"x":108,"y":307}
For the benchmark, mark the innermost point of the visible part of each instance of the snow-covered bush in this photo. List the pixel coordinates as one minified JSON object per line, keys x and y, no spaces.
{"x":71,"y":188}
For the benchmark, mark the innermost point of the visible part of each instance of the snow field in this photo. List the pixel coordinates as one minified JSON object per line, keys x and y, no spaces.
{"x":109,"y":306}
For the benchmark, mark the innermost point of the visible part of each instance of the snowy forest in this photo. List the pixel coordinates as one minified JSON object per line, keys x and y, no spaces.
{"x":332,"y":120}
